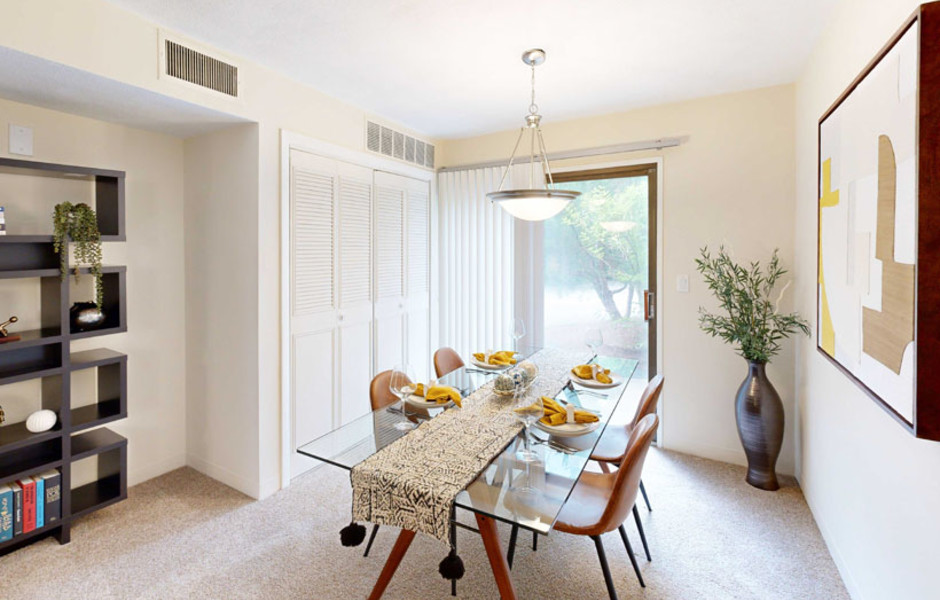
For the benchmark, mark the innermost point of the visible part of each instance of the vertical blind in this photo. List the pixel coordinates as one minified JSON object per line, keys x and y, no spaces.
{"x":476,"y":262}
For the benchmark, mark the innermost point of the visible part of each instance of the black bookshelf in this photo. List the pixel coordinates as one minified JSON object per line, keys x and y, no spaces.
{"x":45,"y":354}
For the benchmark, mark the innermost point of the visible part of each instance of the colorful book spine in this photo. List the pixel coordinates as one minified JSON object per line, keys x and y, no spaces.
{"x":29,"y":504}
{"x":40,"y":501}
{"x":53,"y":489}
{"x":17,"y":509}
{"x":3,"y":222}
{"x":6,"y":513}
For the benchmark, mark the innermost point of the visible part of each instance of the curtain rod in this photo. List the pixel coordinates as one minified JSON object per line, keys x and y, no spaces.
{"x":657,"y":144}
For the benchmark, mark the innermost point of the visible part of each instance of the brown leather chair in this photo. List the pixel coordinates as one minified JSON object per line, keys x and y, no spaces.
{"x":610,"y":448}
{"x":380,"y":396}
{"x":601,"y":502}
{"x":446,"y":360}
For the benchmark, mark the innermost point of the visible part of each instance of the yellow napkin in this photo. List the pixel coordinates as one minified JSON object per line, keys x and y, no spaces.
{"x":501,"y":358}
{"x":419,"y":390}
{"x":443,"y":394}
{"x":586,"y":372}
{"x":555,"y":414}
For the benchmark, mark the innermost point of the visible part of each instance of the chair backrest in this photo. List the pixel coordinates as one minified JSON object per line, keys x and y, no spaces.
{"x":446,"y":360}
{"x":627,"y":478}
{"x":379,"y":394}
{"x":649,"y":400}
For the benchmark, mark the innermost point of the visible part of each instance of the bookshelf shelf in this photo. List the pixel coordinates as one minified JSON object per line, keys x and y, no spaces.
{"x":44,"y":353}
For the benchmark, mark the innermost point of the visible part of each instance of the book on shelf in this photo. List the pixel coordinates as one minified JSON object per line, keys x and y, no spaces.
{"x":29,"y":503}
{"x":40,"y":501}
{"x":53,"y":495}
{"x":6,"y":513}
{"x":17,"y":509}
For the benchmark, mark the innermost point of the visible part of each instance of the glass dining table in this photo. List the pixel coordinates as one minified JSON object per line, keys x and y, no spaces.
{"x":528,"y":495}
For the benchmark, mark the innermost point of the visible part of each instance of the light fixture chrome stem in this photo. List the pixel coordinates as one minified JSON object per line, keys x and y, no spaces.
{"x":532,"y":204}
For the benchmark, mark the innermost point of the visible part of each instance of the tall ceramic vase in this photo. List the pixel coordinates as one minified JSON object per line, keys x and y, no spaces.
{"x":759,"y":415}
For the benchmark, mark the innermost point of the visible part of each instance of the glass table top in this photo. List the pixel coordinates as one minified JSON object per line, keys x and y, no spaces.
{"x":528,"y":494}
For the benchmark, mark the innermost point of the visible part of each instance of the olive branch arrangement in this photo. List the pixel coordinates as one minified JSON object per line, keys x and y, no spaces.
{"x":751,"y":322}
{"x":78,"y":223}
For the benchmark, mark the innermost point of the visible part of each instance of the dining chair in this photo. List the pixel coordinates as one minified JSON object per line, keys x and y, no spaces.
{"x":446,"y":360}
{"x":601,"y":502}
{"x":380,"y":396}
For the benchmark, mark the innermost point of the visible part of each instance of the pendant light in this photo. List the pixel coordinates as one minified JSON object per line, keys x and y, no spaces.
{"x":533,"y":204}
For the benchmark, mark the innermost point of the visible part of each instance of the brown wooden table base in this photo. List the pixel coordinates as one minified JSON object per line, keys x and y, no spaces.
{"x":490,"y":542}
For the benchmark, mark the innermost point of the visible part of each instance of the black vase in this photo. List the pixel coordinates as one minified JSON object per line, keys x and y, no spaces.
{"x":85,"y":316}
{"x":759,"y":414}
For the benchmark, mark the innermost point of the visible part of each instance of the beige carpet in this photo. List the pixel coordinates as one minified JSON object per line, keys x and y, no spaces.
{"x":184,"y":535}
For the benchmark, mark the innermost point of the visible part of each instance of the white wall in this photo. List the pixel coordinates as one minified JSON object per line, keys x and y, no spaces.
{"x":221,"y":183}
{"x":873,"y":487}
{"x":153,"y":253}
{"x":731,"y":182}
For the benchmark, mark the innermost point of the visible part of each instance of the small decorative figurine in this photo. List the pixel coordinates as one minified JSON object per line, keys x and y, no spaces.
{"x":5,"y":335}
{"x":41,"y":420}
{"x":3,"y":417}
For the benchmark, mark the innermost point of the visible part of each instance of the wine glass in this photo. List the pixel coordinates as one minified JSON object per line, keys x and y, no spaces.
{"x":517,"y":332}
{"x":528,"y":410}
{"x":594,"y":339}
{"x":401,"y":384}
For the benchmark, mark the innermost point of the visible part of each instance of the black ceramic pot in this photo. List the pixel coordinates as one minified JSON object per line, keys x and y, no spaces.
{"x":759,"y":414}
{"x":85,"y":316}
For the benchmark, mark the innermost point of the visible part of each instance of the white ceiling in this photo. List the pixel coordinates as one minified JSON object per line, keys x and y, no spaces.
{"x":32,"y":80}
{"x":451,"y":68}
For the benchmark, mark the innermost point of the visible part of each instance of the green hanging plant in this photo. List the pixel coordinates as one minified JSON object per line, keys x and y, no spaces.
{"x":78,"y":223}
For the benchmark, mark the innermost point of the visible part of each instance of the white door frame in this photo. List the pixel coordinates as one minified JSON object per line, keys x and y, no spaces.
{"x":539,"y":232}
{"x":295,"y":141}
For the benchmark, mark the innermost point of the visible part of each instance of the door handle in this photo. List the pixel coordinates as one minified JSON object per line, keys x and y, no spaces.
{"x":649,"y":305}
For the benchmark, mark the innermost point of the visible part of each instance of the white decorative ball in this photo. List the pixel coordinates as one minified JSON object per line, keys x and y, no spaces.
{"x":41,"y":420}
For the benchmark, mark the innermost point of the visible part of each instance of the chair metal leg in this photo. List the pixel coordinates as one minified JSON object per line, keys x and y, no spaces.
{"x":626,"y":544}
{"x":375,"y":530}
{"x":512,"y":545}
{"x":535,"y":541}
{"x":604,"y":567}
{"x":639,"y":526}
{"x":645,"y":497}
{"x":453,"y":536}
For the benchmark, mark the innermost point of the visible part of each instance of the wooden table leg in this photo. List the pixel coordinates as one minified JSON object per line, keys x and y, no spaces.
{"x":394,"y":559}
{"x":497,"y":559}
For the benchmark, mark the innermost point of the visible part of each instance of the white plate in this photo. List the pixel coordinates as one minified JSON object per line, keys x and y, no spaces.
{"x":483,"y":365}
{"x":615,"y":380}
{"x":420,"y":402}
{"x":568,"y":430}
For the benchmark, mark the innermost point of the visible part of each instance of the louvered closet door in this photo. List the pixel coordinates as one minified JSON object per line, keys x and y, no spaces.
{"x":314,"y":296}
{"x":389,"y":221}
{"x":402,"y":315}
{"x":354,"y":200}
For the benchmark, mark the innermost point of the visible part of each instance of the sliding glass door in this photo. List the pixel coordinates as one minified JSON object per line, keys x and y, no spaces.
{"x":599,"y":266}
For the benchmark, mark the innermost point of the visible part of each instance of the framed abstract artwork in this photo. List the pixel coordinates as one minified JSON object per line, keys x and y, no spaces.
{"x":878,"y":278}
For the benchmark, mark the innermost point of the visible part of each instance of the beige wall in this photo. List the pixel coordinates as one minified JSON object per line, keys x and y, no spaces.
{"x":730,"y":182}
{"x":872,"y":487}
{"x":153,"y":253}
{"x":97,"y":37}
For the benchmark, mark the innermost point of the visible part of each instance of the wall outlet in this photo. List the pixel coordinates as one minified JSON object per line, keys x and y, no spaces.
{"x":21,"y":140}
{"x":682,"y":284}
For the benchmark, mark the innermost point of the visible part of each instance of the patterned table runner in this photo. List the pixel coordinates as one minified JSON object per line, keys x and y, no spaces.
{"x":413,"y":483}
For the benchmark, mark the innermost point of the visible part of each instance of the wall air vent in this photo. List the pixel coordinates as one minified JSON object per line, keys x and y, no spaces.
{"x":198,"y":68}
{"x":395,"y":144}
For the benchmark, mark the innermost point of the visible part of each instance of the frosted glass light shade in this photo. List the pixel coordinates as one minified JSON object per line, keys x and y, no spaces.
{"x":533,"y":205}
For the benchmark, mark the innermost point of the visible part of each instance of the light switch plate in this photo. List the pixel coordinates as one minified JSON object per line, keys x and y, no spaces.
{"x":21,"y":140}
{"x":682,"y":284}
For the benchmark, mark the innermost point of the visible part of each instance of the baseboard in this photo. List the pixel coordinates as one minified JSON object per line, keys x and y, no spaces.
{"x":850,"y":584}
{"x":223,"y":475}
{"x":155,"y":469}
{"x":722,"y":454}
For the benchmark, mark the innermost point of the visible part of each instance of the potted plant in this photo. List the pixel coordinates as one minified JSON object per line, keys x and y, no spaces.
{"x":78,"y":223}
{"x":754,"y":326}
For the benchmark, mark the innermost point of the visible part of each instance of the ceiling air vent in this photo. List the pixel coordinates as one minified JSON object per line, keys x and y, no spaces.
{"x":395,"y":144}
{"x":200,"y":69}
